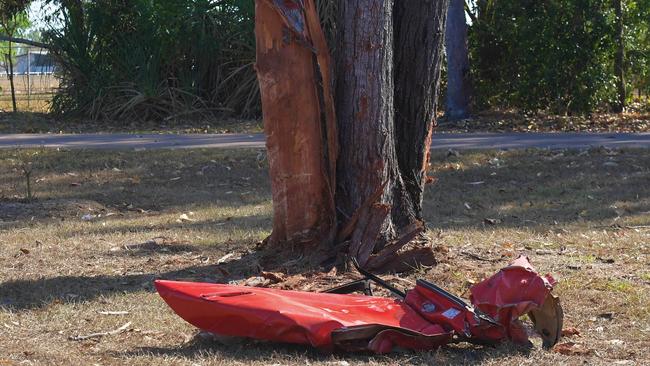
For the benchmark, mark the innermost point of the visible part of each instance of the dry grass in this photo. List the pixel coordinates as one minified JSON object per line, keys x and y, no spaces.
{"x":36,"y":104}
{"x":38,"y":121}
{"x":635,"y":119}
{"x":578,"y":215}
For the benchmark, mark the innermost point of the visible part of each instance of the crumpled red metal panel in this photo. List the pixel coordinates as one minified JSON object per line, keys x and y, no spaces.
{"x":294,"y":316}
{"x":439,"y":310}
{"x":425,"y":319}
{"x":509,"y":294}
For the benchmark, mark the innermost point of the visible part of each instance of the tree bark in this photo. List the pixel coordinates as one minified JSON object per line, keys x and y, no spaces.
{"x":619,"y":61}
{"x":299,"y":122}
{"x":419,"y":31}
{"x":364,"y":100}
{"x":10,"y":61}
{"x":458,"y":86}
{"x":381,"y":168}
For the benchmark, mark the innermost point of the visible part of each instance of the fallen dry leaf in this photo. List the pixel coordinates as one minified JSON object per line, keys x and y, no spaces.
{"x":184,"y":218}
{"x":274,"y":277}
{"x":332,"y":272}
{"x":257,"y":281}
{"x":571,"y":349}
{"x":569,"y":332}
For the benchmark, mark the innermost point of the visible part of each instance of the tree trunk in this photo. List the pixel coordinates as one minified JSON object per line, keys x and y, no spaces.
{"x":294,"y":76}
{"x":10,"y":61}
{"x":364,"y":99}
{"x":419,"y":31}
{"x":381,"y":167}
{"x":458,"y":86}
{"x":619,"y":61}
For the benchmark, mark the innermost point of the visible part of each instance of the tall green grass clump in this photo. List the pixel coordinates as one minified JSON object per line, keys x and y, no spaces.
{"x":153,"y":59}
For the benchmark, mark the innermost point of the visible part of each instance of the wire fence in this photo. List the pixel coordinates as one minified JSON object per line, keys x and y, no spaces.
{"x":34,"y":78}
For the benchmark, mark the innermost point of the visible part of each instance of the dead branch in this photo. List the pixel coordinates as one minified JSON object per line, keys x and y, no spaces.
{"x":367,"y":231}
{"x":101,"y":334}
{"x":28,"y":42}
{"x":388,"y":253}
{"x":349,"y":227}
{"x":113,"y":312}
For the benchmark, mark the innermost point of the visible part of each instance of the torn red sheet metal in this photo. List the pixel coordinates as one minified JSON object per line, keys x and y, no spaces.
{"x":425,"y":318}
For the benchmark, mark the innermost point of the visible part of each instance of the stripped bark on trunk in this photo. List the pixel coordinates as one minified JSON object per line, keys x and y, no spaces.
{"x":299,"y":122}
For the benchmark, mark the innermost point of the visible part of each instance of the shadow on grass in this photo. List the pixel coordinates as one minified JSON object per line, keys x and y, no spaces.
{"x":247,"y":351}
{"x":537,"y":189}
{"x":534,"y":189}
{"x":150,"y":180}
{"x":28,"y":294}
{"x":261,"y":222}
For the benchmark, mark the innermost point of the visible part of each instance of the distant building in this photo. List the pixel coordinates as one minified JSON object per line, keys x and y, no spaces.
{"x":39,"y":63}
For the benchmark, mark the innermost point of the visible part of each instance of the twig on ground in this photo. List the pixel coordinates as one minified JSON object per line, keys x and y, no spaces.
{"x":478,"y":257}
{"x":638,"y":227}
{"x":101,"y":334}
{"x":113,"y":312}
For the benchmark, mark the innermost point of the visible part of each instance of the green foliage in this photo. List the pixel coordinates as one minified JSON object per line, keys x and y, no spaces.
{"x":154,"y":59}
{"x":552,"y":55}
{"x":13,"y":21}
{"x":637,"y":41}
{"x":144,"y":59}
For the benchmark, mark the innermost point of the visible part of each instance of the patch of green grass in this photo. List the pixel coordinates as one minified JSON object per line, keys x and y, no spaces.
{"x":621,"y":286}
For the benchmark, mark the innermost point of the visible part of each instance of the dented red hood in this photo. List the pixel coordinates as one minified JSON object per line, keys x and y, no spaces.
{"x":425,"y":318}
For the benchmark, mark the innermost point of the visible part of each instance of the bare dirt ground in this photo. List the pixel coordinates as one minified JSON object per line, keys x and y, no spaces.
{"x":81,"y":258}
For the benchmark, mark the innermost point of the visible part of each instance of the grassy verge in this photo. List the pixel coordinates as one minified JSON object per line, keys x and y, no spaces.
{"x":105,"y":224}
{"x":635,"y":119}
{"x":37,"y":104}
{"x":35,"y":122}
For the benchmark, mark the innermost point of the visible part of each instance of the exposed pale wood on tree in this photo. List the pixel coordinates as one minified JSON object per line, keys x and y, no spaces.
{"x":293,"y":72}
{"x":324,"y":71}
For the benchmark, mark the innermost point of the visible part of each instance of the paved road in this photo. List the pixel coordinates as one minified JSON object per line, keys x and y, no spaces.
{"x":440,"y":141}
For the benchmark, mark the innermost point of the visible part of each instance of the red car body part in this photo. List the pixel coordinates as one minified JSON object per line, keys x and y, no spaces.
{"x":512,"y":292}
{"x":426,"y":318}
{"x":299,"y":317}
